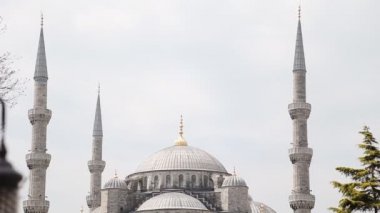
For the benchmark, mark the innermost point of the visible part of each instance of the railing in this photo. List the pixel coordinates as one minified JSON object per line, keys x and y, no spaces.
{"x":36,"y":205}
{"x":300,"y":150}
{"x":299,"y":105}
{"x":38,"y":156}
{"x":38,"y":160}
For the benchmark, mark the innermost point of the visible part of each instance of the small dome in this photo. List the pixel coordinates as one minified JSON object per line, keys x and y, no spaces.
{"x":115,"y":183}
{"x":234,"y":181}
{"x":258,"y":207}
{"x":172,"y":200}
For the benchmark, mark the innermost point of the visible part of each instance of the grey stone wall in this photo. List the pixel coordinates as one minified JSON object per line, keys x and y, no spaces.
{"x":235,"y":199}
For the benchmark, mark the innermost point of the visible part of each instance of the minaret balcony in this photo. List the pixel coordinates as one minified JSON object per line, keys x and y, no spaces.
{"x":301,"y":201}
{"x":39,"y":115}
{"x":36,"y":206}
{"x":92,"y":201}
{"x":298,"y":154}
{"x":299,"y":110}
{"x":37,"y":160}
{"x":96,"y":165}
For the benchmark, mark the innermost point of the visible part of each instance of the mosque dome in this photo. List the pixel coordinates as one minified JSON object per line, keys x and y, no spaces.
{"x":258,"y":207}
{"x":115,"y":183}
{"x":181,"y":157}
{"x":171,"y":201}
{"x":234,"y":181}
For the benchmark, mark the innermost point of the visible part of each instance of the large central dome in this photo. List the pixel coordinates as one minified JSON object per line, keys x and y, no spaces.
{"x":181,"y":157}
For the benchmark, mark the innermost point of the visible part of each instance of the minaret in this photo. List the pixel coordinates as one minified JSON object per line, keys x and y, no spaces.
{"x":38,"y":160}
{"x":96,"y":165}
{"x":300,"y":200}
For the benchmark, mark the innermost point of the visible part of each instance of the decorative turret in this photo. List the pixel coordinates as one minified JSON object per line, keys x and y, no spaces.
{"x":114,"y":195}
{"x":234,"y":194}
{"x":115,"y":183}
{"x":38,"y":160}
{"x":300,"y":200}
{"x":96,"y":164}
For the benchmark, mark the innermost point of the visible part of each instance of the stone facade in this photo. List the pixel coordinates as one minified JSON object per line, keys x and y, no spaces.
{"x":207,"y":187}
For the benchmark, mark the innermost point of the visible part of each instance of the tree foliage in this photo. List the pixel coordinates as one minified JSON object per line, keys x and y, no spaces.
{"x":11,"y":86}
{"x":363,"y":192}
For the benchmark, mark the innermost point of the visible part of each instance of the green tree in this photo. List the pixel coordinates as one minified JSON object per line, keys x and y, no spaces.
{"x":363,"y":192}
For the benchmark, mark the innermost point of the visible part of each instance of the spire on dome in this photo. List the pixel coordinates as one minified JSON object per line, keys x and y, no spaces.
{"x":299,"y":57}
{"x":40,"y":73}
{"x":98,"y":130}
{"x":181,"y":141}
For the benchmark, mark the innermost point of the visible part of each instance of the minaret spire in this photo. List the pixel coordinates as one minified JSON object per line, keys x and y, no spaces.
{"x":299,"y":56}
{"x":38,"y":160}
{"x":42,"y":20}
{"x":98,"y":130}
{"x":300,"y":200}
{"x":40,"y":73}
{"x":96,"y":164}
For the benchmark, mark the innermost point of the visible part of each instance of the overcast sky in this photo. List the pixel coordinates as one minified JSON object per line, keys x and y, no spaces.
{"x":226,"y":65}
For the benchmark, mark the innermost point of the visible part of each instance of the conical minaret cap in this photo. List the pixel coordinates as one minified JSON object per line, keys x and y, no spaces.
{"x":299,"y":57}
{"x":98,"y":129}
{"x":40,"y":73}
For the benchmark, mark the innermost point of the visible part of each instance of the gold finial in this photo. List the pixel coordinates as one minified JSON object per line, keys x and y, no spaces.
{"x":42,"y":19}
{"x":181,"y":127}
{"x":115,"y":173}
{"x":181,"y":141}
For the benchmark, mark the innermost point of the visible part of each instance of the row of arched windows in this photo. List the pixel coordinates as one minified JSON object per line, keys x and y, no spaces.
{"x":181,"y":182}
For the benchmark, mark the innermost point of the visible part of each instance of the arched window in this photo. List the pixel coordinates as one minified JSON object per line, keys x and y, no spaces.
{"x":193,"y":181}
{"x":168,"y":181}
{"x":181,"y":182}
{"x":155,"y":183}
{"x":145,"y":183}
{"x":205,"y":181}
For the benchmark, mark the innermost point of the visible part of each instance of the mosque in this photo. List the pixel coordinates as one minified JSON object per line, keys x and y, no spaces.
{"x":177,"y":179}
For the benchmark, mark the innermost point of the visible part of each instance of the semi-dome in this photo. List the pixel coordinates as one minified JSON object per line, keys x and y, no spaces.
{"x":115,"y":183}
{"x":234,"y":181}
{"x":181,"y":157}
{"x":258,"y":207}
{"x":171,"y":201}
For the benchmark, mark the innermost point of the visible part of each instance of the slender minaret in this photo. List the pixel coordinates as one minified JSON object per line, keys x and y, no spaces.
{"x":96,"y":165}
{"x":38,"y":160}
{"x":300,"y":200}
